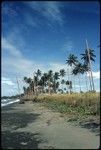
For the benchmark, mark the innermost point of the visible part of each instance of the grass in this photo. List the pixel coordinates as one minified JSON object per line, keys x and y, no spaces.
{"x":77,"y":105}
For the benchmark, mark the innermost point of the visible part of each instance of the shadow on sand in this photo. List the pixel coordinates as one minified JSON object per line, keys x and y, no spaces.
{"x":17,"y":120}
{"x":92,"y":126}
{"x":11,"y":138}
{"x":19,"y":140}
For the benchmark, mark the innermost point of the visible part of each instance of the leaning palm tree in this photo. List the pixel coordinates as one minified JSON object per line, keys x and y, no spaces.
{"x":71,"y":61}
{"x":89,"y":56}
{"x":85,"y":69}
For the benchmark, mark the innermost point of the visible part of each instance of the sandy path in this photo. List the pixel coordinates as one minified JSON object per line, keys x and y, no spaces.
{"x":32,"y":126}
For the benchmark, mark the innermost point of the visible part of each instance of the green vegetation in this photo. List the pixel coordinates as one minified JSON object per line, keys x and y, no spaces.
{"x":77,"y":105}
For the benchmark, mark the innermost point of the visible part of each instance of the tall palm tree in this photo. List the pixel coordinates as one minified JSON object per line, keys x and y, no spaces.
{"x":89,"y":56}
{"x":71,"y":61}
{"x":85,"y":70}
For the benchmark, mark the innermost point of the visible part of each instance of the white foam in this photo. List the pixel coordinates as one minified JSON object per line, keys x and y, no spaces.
{"x":17,"y":100}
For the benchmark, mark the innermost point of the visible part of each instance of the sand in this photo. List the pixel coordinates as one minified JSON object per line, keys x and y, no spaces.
{"x":32,"y":126}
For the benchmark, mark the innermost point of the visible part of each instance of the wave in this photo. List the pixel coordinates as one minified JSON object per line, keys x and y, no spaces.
{"x":10,"y":102}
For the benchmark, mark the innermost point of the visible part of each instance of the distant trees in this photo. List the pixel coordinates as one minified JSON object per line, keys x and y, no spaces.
{"x":50,"y":82}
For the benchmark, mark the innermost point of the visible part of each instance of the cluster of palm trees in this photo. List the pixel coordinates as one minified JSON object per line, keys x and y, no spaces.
{"x":49,"y":82}
{"x":78,"y":68}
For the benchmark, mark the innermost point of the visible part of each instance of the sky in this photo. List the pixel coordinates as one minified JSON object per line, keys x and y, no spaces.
{"x":41,"y":35}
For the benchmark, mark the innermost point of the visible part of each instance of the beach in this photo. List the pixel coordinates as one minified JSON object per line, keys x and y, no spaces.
{"x":33,"y":126}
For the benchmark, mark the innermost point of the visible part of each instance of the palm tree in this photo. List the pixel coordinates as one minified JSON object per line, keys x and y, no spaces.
{"x":85,"y":70}
{"x":62,"y":73}
{"x":69,"y":84}
{"x":57,"y":85}
{"x":38,"y":73}
{"x":72,"y":61}
{"x":62,"y":82}
{"x":55,"y":77}
{"x":42,"y":82}
{"x":50,"y":79}
{"x":88,"y":56}
{"x":77,"y":70}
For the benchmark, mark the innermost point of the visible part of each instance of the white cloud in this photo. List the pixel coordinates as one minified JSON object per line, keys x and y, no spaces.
{"x":68,"y":46}
{"x":57,"y":66}
{"x":50,"y":10}
{"x":96,"y":74}
{"x":10,"y":48}
{"x":7,"y":81}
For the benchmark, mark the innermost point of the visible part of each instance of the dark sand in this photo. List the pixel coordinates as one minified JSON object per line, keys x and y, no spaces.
{"x":32,"y":126}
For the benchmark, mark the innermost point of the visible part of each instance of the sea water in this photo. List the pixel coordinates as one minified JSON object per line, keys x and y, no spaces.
{"x":5,"y":102}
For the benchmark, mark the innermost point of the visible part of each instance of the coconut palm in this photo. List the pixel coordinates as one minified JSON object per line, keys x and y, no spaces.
{"x":89,"y":56}
{"x":69,"y":84}
{"x":62,"y":82}
{"x":50,"y":79}
{"x":55,"y":77}
{"x":57,"y":85}
{"x":72,"y":61}
{"x":85,"y":70}
{"x":62,"y":73}
{"x":38,"y":74}
{"x":78,"y":70}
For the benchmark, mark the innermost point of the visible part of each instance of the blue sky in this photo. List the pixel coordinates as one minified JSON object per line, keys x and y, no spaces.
{"x":40,"y":35}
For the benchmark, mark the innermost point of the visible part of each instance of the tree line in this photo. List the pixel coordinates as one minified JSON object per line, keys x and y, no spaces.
{"x":49,"y":82}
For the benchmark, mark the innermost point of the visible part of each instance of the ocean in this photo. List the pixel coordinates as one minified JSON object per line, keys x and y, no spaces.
{"x":5,"y":102}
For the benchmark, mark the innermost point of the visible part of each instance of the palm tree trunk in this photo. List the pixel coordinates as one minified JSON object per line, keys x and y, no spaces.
{"x":90,"y":67}
{"x":86,"y":81}
{"x":90,"y":80}
{"x":79,"y":83}
{"x":74,"y":85}
{"x":68,"y":79}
